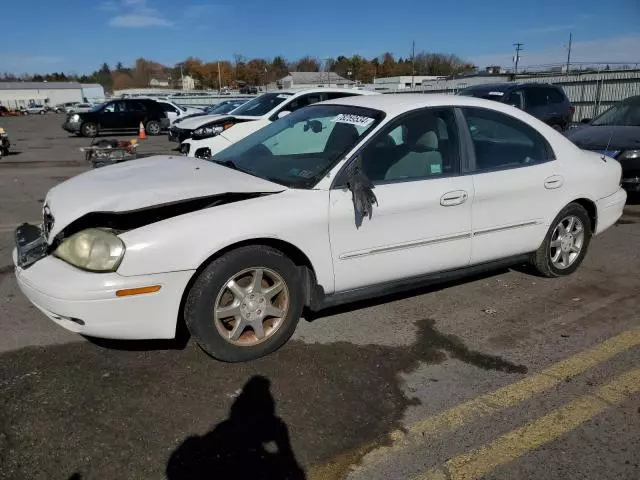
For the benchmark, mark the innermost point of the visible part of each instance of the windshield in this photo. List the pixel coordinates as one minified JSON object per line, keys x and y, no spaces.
{"x":262,"y":105}
{"x":626,"y":113}
{"x":299,"y":149}
{"x":222,"y":108}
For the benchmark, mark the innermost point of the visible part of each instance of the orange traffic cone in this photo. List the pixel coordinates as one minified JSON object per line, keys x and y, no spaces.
{"x":141,"y":133}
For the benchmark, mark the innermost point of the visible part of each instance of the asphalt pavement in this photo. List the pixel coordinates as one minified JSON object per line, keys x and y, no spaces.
{"x":501,"y":376}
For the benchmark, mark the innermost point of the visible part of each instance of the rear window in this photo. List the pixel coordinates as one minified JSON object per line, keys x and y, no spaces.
{"x":554,"y":95}
{"x":488,"y":93}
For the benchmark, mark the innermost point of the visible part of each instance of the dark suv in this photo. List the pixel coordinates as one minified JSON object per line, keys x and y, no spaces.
{"x":117,"y":116}
{"x":542,"y":100}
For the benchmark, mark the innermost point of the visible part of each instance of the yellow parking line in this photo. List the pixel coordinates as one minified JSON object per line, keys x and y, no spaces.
{"x":484,"y":405}
{"x":524,"y":389}
{"x":516,"y":443}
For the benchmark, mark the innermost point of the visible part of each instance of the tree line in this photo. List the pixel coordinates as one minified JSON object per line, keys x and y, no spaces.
{"x":257,"y":71}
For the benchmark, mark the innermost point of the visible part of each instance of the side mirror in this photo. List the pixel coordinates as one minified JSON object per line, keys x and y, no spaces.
{"x":283,"y":113}
{"x":585,"y":120}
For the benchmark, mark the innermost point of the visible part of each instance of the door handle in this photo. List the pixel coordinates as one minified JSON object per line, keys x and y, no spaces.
{"x":457,"y":197}
{"x":554,"y":181}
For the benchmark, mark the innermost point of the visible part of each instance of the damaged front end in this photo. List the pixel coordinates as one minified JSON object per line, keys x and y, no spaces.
{"x":100,"y":229}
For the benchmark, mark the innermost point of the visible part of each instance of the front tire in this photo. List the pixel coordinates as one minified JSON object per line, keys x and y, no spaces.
{"x":153,"y":127}
{"x":245,"y":304}
{"x":566,"y":242}
{"x":89,"y":129}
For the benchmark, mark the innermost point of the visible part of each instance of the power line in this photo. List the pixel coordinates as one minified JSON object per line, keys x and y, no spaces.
{"x":516,"y":59}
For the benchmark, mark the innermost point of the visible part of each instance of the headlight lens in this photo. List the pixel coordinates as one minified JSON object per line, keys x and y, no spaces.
{"x":75,"y":117}
{"x":93,"y":249}
{"x":208,"y":131}
{"x":629,"y":154}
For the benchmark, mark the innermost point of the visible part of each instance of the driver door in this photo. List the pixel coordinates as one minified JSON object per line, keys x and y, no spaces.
{"x":112,"y":114}
{"x":422,"y":222}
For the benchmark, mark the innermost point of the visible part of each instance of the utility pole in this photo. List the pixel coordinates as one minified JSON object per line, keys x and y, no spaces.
{"x":413,"y":62}
{"x":569,"y":54}
{"x":516,"y":59}
{"x":219,"y":79}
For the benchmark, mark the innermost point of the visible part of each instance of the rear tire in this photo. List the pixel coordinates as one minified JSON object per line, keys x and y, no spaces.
{"x":153,"y":127}
{"x":89,"y":129}
{"x":232,"y":310}
{"x":566,"y":243}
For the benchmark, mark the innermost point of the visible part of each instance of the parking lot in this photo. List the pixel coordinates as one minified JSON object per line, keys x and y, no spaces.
{"x":502,"y":376}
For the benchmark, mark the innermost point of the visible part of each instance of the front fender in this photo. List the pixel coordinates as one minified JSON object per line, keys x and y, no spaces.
{"x":298,"y":217}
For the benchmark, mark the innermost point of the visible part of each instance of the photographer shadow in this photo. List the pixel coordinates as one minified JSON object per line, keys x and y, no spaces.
{"x":252,"y":443}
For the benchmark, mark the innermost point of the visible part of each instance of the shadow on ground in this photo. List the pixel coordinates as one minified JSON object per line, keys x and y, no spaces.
{"x":252,"y":443}
{"x":104,"y":413}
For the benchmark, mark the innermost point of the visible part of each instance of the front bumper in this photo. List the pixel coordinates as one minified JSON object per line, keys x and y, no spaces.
{"x":86,"y":302}
{"x":72,"y":127}
{"x":178,"y":135}
{"x":610,"y":209}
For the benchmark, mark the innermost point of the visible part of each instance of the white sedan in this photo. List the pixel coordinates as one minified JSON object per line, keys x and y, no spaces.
{"x":205,"y":136}
{"x":342,"y":200}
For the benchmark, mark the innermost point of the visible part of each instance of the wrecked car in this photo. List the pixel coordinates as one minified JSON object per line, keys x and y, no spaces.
{"x":344,"y":200}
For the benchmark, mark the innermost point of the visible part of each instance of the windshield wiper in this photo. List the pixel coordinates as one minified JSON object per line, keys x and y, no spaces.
{"x":228,"y":164}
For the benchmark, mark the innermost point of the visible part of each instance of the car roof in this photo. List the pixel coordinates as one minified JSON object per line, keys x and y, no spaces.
{"x":397,"y":103}
{"x":298,"y":92}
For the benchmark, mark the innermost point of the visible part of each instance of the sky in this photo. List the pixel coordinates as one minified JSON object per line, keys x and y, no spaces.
{"x":77,"y":36}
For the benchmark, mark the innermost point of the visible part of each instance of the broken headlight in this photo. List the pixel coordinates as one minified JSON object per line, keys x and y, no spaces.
{"x":92,"y":249}
{"x":207,"y":131}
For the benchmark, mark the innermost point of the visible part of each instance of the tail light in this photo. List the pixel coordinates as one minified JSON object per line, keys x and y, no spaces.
{"x":572,"y":110}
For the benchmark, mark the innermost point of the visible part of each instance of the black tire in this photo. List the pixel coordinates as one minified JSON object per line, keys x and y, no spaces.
{"x":201,"y":301}
{"x":557,"y":127}
{"x":542,"y":258}
{"x":153,"y":127}
{"x":89,"y":129}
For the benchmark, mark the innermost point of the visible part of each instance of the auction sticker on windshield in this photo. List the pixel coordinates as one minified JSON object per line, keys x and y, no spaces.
{"x":358,"y":120}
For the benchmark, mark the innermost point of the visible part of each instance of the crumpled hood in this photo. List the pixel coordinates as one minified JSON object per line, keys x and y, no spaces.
{"x":201,"y":120}
{"x":617,"y":137}
{"x":146,"y":182}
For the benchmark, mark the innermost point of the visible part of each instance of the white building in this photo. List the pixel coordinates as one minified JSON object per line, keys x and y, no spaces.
{"x":401,"y":82}
{"x":313,"y":80}
{"x":159,"y":81}
{"x":17,"y":94}
{"x":188,"y":83}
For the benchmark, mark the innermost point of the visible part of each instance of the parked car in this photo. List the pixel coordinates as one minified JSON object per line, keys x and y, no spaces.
{"x":178,"y":134}
{"x":35,"y":110}
{"x":79,"y":107}
{"x":343,"y":200}
{"x":204,"y":137}
{"x":547,"y":102}
{"x":4,"y":111}
{"x":248,"y":89}
{"x":118,"y":116}
{"x":614,"y":133}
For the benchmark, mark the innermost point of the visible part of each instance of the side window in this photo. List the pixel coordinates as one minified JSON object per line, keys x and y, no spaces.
{"x":167,"y":107}
{"x":515,"y":98}
{"x":137,"y":106}
{"x":421,"y":145}
{"x":501,"y":141}
{"x":554,"y":95}
{"x":333,"y":95}
{"x":109,"y":107}
{"x":536,"y":97}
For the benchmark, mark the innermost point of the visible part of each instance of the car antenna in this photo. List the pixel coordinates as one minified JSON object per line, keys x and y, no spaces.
{"x":604,"y":155}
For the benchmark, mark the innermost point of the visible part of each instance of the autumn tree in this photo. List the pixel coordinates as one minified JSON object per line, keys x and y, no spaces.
{"x":307,"y":64}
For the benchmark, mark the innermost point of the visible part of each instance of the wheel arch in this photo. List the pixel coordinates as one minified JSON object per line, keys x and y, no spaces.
{"x":592,"y":210}
{"x":299,"y":258}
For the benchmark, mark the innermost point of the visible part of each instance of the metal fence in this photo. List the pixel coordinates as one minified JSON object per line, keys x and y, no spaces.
{"x":590,"y":93}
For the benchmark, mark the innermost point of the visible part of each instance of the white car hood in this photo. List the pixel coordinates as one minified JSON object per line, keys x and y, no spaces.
{"x":146,"y":182}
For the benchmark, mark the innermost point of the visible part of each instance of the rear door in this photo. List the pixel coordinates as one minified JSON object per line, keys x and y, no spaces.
{"x":518,"y":185}
{"x":136,"y":113}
